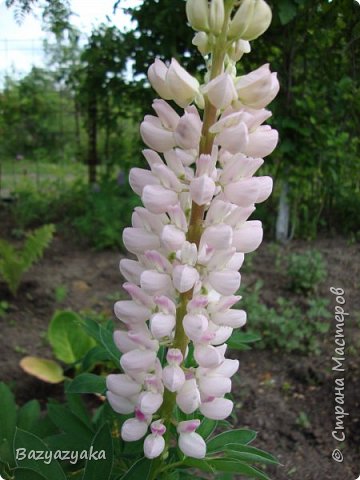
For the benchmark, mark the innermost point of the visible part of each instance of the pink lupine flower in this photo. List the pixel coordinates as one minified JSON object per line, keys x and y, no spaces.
{"x":192,"y":232}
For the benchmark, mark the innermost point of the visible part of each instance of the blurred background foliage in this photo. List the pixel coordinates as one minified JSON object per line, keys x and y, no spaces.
{"x":76,"y":122}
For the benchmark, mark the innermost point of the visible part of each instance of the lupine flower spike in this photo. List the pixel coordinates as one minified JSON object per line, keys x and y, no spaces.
{"x":191,"y":234}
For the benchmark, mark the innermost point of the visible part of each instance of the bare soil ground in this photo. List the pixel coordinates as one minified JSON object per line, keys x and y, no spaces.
{"x":287,"y":398}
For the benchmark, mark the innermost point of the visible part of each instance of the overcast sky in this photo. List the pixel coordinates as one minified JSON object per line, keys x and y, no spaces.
{"x":21,"y":45}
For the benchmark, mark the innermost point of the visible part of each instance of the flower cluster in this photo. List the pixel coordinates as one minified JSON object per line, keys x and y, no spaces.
{"x":191,"y":234}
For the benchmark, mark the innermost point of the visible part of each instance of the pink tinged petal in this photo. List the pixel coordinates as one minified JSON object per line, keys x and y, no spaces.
{"x":157,"y":77}
{"x":158,"y":428}
{"x":217,"y":409}
{"x":236,"y":261}
{"x":131,"y":270}
{"x":234,"y":139}
{"x":262,"y":142}
{"x":165,"y":304}
{"x":231,"y":318}
{"x":150,"y":402}
{"x":188,"y":426}
{"x":218,"y":236}
{"x":197,"y":303}
{"x":240,"y":166}
{"x":123,"y":342}
{"x":208,"y":356}
{"x":188,"y":131}
{"x":133,"y":429}
{"x":192,"y":445}
{"x":188,"y":253}
{"x":157,"y":199}
{"x":151,"y":221}
{"x":265,"y":188}
{"x":217,"y":212}
{"x":129,"y":311}
{"x":172,"y":238}
{"x":183,"y":87}
{"x":187,"y":158}
{"x":188,"y":397}
{"x":155,"y":283}
{"x":214,"y":386}
{"x":195,"y":326}
{"x":137,"y":361}
{"x":173,"y":377}
{"x":205,"y":165}
{"x":244,"y":192}
{"x":156,"y":137}
{"x":184,"y":277}
{"x":226,"y":282}
{"x":257,"y":118}
{"x":222,"y":334}
{"x":221,"y":91}
{"x":158,"y":261}
{"x":162,"y":325}
{"x":258,"y":88}
{"x":167,"y":178}
{"x":137,"y":240}
{"x":174,"y":162}
{"x":248,"y":237}
{"x":224,"y":303}
{"x":174,"y":356}
{"x":139,"y":178}
{"x":153,"y":446}
{"x":120,"y":404}
{"x":138,"y":295}
{"x":177,"y":217}
{"x":228,"y":368}
{"x":168,"y":117}
{"x":122,"y":385}
{"x":152,"y":158}
{"x":239,"y":215}
{"x":202,"y":189}
{"x":143,"y":339}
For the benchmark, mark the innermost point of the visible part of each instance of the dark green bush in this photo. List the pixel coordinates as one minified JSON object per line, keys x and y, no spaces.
{"x":306,"y":271}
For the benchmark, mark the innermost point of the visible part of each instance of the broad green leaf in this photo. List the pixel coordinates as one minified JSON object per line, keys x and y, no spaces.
{"x":107,"y":340}
{"x":224,"y":465}
{"x":26,"y":442}
{"x":46,"y":370}
{"x":100,"y":468}
{"x":69,"y":423}
{"x":219,"y":442}
{"x":28,"y":415}
{"x":207,"y":426}
{"x":68,"y":338}
{"x":140,"y":470}
{"x":7,"y":423}
{"x":28,"y":474}
{"x":239,"y":340}
{"x":95,"y":356}
{"x":87,"y":383}
{"x":77,"y":406}
{"x":249,"y":454}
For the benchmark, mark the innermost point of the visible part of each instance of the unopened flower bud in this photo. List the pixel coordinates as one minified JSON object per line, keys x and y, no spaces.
{"x":183,"y":87}
{"x":217,"y":16}
{"x":197,"y":14}
{"x":260,"y":21}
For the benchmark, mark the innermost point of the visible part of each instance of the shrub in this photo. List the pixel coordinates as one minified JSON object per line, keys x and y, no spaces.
{"x":306,"y":271}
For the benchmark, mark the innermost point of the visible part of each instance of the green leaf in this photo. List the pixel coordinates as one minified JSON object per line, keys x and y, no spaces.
{"x":249,"y":454}
{"x":69,"y":423}
{"x":67,"y":337}
{"x":28,"y":415}
{"x":28,"y":474}
{"x":30,"y":442}
{"x":100,"y":468}
{"x":287,"y":11}
{"x":87,"y":383}
{"x":140,"y":470}
{"x":203,"y":465}
{"x":219,"y":442}
{"x":207,"y":426}
{"x":239,"y":340}
{"x":46,"y":370}
{"x":95,"y":356}
{"x":224,"y":465}
{"x":108,"y":342}
{"x":7,"y":422}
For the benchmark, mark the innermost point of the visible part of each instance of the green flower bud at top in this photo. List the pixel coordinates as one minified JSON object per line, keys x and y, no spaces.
{"x":217,"y":16}
{"x":241,"y":19}
{"x":197,"y":14}
{"x":260,"y":21}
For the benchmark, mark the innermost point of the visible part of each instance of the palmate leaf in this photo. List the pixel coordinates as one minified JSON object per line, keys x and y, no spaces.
{"x":15,"y":262}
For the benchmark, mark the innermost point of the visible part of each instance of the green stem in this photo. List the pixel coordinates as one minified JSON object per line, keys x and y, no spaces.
{"x":181,"y":341}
